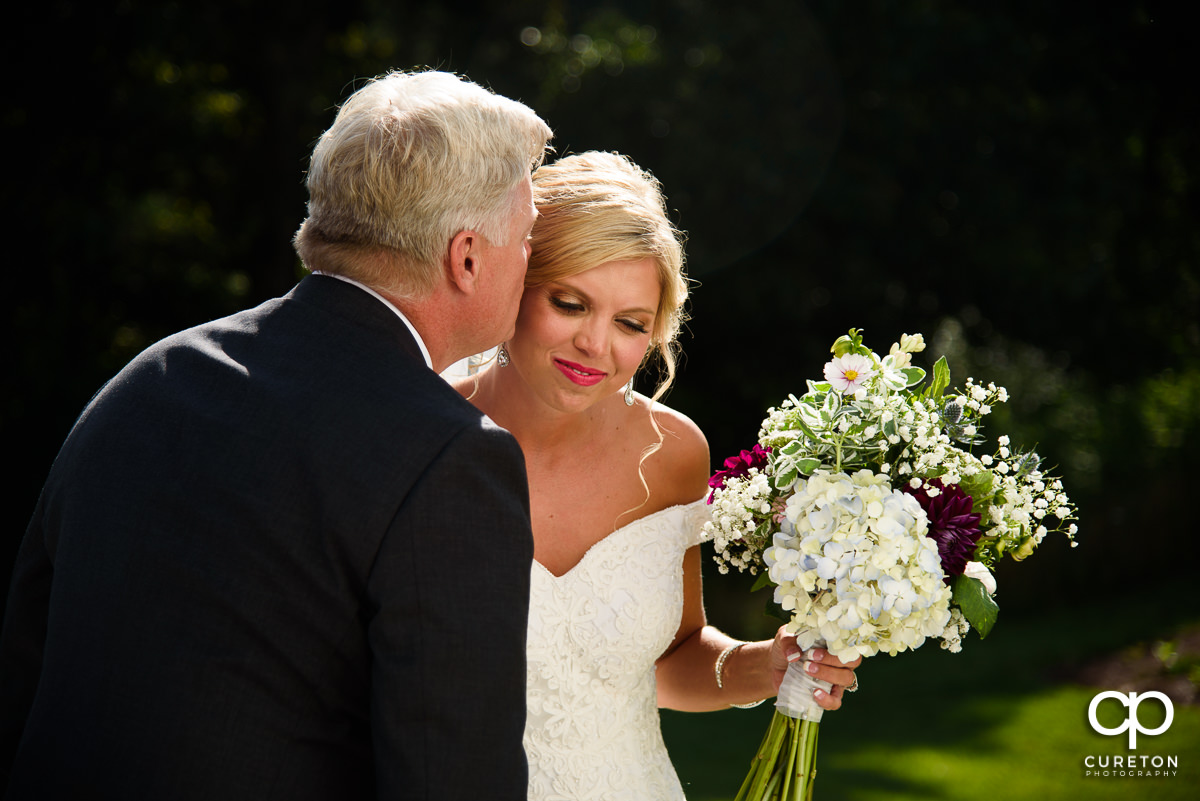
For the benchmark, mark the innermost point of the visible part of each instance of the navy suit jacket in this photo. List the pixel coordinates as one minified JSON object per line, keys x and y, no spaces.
{"x":277,"y":558}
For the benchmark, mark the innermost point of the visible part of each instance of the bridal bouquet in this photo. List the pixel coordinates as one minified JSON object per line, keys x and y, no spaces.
{"x":867,"y":507}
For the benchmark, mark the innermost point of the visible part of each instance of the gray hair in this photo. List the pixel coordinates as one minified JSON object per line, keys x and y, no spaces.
{"x":412,"y":159}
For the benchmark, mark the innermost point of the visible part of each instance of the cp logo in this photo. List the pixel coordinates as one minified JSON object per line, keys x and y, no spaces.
{"x":1131,"y":721}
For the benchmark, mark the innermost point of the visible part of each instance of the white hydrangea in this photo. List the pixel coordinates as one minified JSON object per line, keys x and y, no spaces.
{"x":853,"y":565}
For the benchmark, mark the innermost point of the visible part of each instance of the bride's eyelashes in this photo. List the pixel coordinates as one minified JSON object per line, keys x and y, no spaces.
{"x":566,"y":305}
{"x":572,"y":307}
{"x":634,"y":325}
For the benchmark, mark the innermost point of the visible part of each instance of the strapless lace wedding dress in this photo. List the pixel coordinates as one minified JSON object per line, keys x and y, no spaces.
{"x":594,"y":635}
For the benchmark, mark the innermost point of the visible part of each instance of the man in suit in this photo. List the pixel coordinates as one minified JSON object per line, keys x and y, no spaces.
{"x":278,"y":557}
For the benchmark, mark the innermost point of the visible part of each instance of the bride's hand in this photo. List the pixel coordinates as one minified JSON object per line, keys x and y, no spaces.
{"x":818,"y":662}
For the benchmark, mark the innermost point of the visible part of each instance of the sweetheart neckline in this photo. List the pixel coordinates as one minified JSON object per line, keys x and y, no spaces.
{"x":610,"y":535}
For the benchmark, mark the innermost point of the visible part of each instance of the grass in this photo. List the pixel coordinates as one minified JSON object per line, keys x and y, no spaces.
{"x":997,"y":721}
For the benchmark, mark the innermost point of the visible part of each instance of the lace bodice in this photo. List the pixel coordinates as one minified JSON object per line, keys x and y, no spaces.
{"x":594,"y":635}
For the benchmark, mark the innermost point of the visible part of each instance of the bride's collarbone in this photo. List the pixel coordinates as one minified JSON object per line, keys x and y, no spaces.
{"x":568,"y":523}
{"x":591,"y":492}
{"x":563,"y":541}
{"x":584,"y":490}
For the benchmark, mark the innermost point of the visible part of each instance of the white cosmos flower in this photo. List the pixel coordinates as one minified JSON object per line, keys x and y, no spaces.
{"x":847,"y":373}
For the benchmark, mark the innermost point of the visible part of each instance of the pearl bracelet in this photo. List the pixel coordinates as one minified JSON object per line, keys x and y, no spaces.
{"x":720,"y":666}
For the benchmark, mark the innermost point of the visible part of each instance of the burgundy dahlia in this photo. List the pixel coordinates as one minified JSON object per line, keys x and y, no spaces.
{"x":951,"y":524}
{"x":738,"y":466}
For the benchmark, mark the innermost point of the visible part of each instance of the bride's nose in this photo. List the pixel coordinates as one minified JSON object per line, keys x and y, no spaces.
{"x":591,"y":336}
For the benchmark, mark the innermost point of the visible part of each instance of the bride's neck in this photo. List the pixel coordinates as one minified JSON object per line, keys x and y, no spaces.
{"x":507,"y":400}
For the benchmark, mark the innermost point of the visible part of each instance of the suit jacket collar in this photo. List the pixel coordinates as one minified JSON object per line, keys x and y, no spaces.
{"x":350,"y":301}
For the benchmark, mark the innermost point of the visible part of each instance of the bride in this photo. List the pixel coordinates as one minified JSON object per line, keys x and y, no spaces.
{"x":617,"y":484}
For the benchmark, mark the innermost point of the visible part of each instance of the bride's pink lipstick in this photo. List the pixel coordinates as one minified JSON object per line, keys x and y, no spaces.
{"x":583,"y":376}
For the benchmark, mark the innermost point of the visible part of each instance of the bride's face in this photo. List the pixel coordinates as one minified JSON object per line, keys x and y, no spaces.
{"x":581,"y":338}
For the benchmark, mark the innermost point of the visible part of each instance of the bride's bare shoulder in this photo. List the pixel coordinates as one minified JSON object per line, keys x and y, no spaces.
{"x":466,"y":386}
{"x":682,"y":462}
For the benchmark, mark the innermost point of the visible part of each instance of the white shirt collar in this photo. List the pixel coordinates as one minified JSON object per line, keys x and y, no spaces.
{"x":386,"y":302}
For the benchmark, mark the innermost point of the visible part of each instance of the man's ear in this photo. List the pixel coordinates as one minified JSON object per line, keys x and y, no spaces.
{"x":463,"y":260}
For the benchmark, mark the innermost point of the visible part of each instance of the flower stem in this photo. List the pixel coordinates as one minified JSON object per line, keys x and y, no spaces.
{"x":790,"y":764}
{"x":769,"y":790}
{"x":784,"y":769}
{"x":812,"y":761}
{"x":763,"y":763}
{"x":808,"y":764}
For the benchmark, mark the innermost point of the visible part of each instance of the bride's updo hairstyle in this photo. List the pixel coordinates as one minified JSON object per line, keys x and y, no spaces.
{"x":595,"y":208}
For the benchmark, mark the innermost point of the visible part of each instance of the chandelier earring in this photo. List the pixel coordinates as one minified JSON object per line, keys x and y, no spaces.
{"x":502,"y":358}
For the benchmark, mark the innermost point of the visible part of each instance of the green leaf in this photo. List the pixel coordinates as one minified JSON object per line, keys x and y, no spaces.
{"x":982,"y":507}
{"x":941,"y":378}
{"x":776,"y":611}
{"x":977,"y":606}
{"x":830,"y":405}
{"x":763,"y":580}
{"x":785,"y":478}
{"x":807,"y":466}
{"x":978,"y":486}
{"x":806,"y":426}
{"x":791,"y":448}
{"x":913,"y":375}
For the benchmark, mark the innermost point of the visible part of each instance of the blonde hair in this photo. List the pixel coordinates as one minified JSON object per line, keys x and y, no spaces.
{"x":412,"y":159}
{"x":595,"y":208}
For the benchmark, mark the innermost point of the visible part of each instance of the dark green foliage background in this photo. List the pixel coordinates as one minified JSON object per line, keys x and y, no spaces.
{"x":1017,"y":181}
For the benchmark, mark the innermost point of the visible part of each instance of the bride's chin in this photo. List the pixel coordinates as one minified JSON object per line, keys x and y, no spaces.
{"x":576,"y":401}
